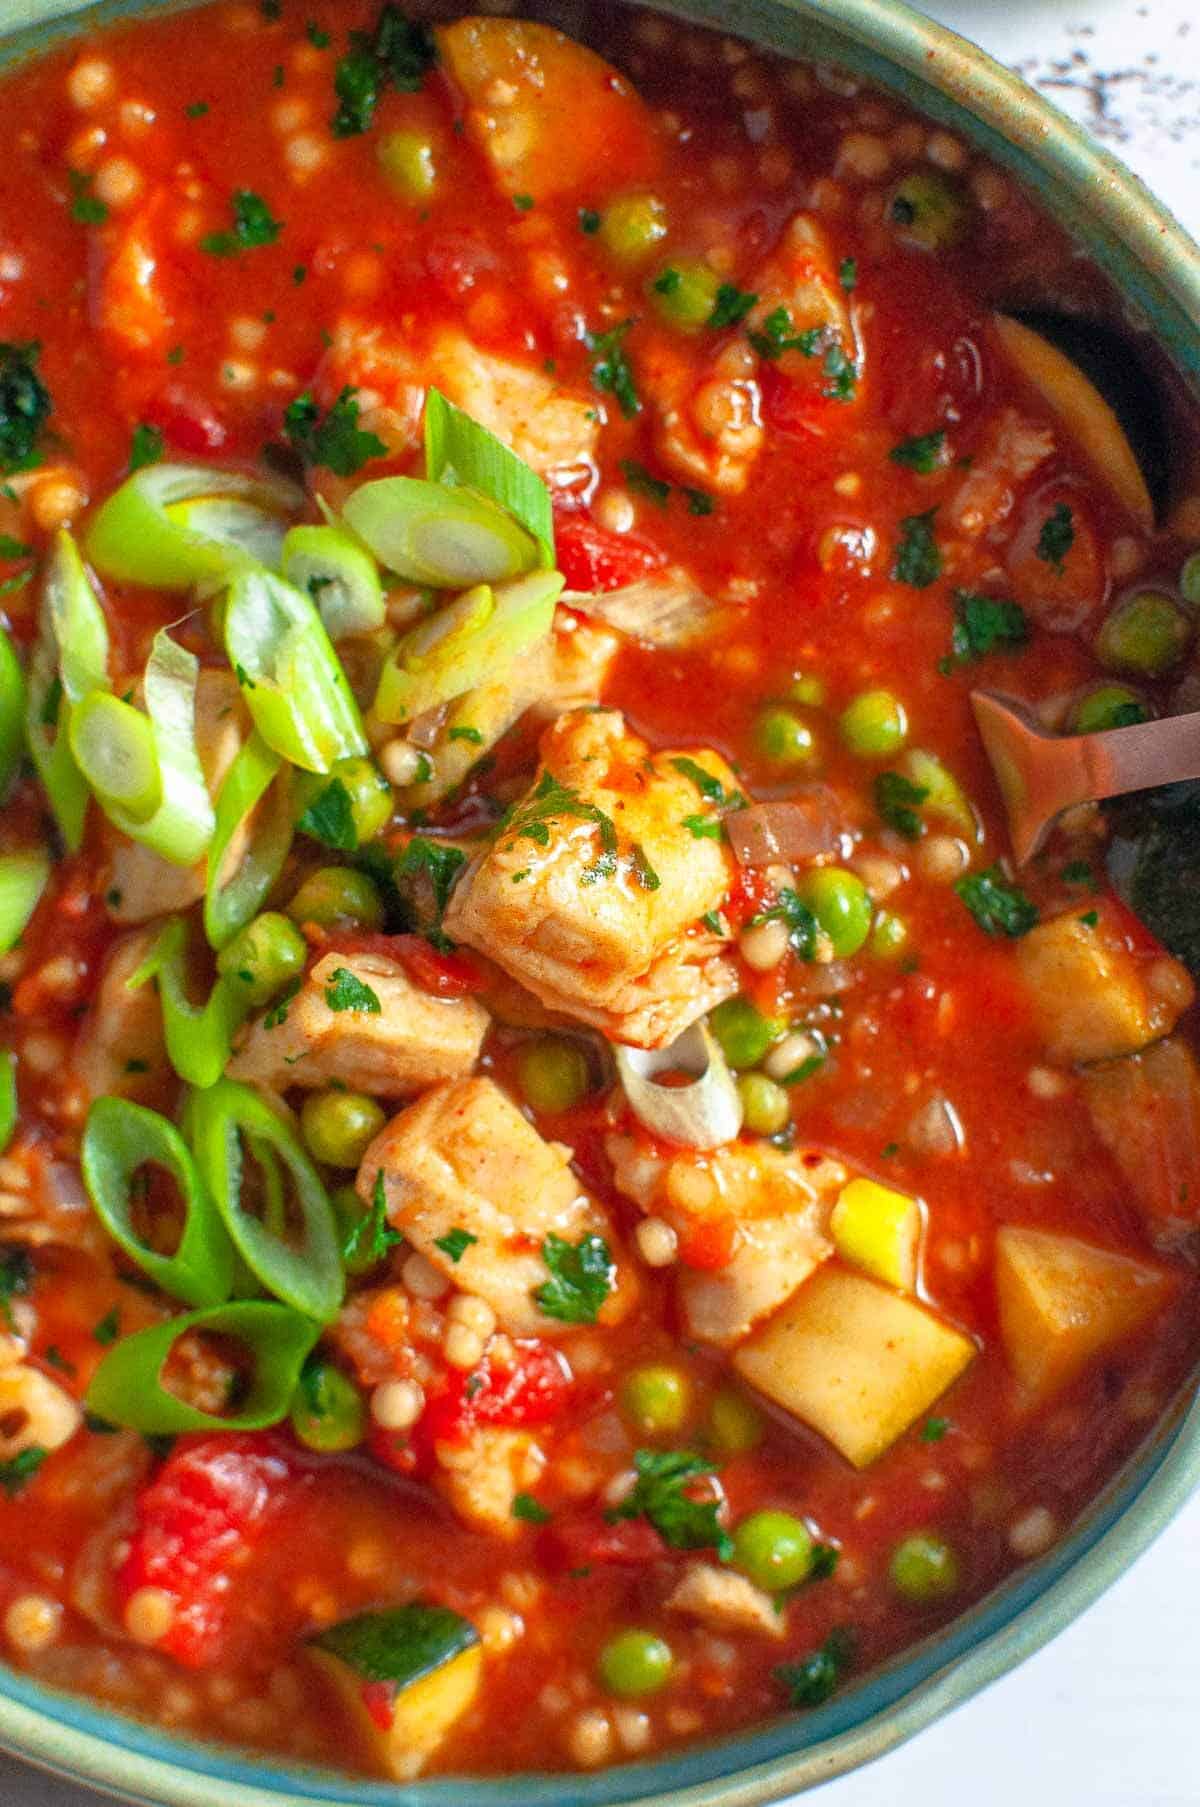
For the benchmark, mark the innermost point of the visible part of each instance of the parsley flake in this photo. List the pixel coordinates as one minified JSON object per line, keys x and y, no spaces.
{"x":934,"y":1429}
{"x":1056,"y":538}
{"x":16,"y":1474}
{"x":815,"y":1678}
{"x":985,"y":624}
{"x":611,"y":370}
{"x":529,"y":1510}
{"x":337,"y":442}
{"x":25,"y":405}
{"x":924,"y":453}
{"x":731,"y":306}
{"x":86,"y":210}
{"x":455,"y":1243}
{"x":790,"y":909}
{"x":644,"y":482}
{"x":371,"y":1236}
{"x":918,"y":560}
{"x":663,"y":1494}
{"x":775,"y":336}
{"x":581,"y":1277}
{"x":254,"y":225}
{"x":108,"y":1329}
{"x":589,"y":221}
{"x":329,"y":818}
{"x":146,"y":447}
{"x":398,"y":53}
{"x":16,"y":1278}
{"x":898,"y":799}
{"x":346,"y":991}
{"x":998,"y":907}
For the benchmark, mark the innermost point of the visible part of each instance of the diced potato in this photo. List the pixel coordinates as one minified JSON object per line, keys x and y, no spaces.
{"x":725,"y":1601}
{"x":854,"y":1361}
{"x":481,"y":1478}
{"x":1090,"y":990}
{"x":1146,"y":1110}
{"x":1062,"y":1301}
{"x":412,"y":1041}
{"x":551,"y":117}
{"x":592,"y":897}
{"x":403,"y":1724}
{"x":465,"y":1158}
{"x":879,"y":1231}
{"x":1082,"y":410}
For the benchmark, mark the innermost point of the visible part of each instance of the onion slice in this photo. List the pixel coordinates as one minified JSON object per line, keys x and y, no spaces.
{"x":704,"y":1114}
{"x":792,"y":828}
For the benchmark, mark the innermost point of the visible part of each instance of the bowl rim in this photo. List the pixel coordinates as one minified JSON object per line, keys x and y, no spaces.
{"x":1156,"y":269}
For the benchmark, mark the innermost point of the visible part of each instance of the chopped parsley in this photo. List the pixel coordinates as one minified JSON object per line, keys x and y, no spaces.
{"x":825,"y":1558}
{"x":455,"y":1243}
{"x":1078,"y":872}
{"x":934,"y":1429}
{"x":277,"y":1014}
{"x":529,"y":1510}
{"x":998,"y":907}
{"x":842,"y":373}
{"x":644,"y":482}
{"x":254,"y":225}
{"x":346,"y":991}
{"x":923,"y":453}
{"x":85,"y":208}
{"x":337,"y":442}
{"x":589,"y":221}
{"x":329,"y":818}
{"x":108,"y":1329}
{"x":848,"y":274}
{"x":705,"y":828}
{"x":16,"y":1474}
{"x":146,"y":447}
{"x":698,"y":500}
{"x":897,"y":800}
{"x":581,"y":1278}
{"x":434,"y":861}
{"x":918,"y":560}
{"x":317,"y":38}
{"x":611,"y":371}
{"x":196,"y":109}
{"x":775,"y":336}
{"x":523,"y":203}
{"x":25,"y":405}
{"x":662,"y":1495}
{"x":551,"y":800}
{"x":16,"y":1278}
{"x":371,"y":1236}
{"x":791,"y":909}
{"x":398,"y":53}
{"x":731,"y":306}
{"x":815,"y":1678}
{"x":471,"y":735}
{"x":1056,"y":538}
{"x":985,"y":624}
{"x":709,"y":786}
{"x":1090,"y":918}
{"x":11,"y":548}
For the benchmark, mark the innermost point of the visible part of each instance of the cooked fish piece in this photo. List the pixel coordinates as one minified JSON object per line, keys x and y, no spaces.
{"x":481,"y":1478}
{"x":725,"y":1601}
{"x":464,"y":1158}
{"x":593,"y":894}
{"x":120,"y":1049}
{"x":413,"y":1040}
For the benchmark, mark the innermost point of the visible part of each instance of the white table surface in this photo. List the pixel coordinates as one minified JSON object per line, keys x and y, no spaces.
{"x":1107,"y":1715}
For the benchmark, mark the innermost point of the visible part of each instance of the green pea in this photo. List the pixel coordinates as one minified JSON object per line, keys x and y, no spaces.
{"x":553,"y":1075}
{"x":339,"y":1127}
{"x":874,"y":725}
{"x":407,"y":161}
{"x":685,"y":293}
{"x":632,"y":226}
{"x":367,"y":792}
{"x":743,"y":1033}
{"x":657,"y":1399}
{"x":264,"y":955}
{"x":842,"y":906}
{"x":350,"y":1211}
{"x":1108,"y":706}
{"x":636,"y":1662}
{"x":338,"y":897}
{"x":806,"y":688}
{"x":889,"y":935}
{"x":924,"y":1568}
{"x":784,"y":737}
{"x":774,"y":1549}
{"x":735,"y":1426}
{"x":929,"y":210}
{"x":1146,"y":634}
{"x":1189,"y":579}
{"x":765,"y":1106}
{"x":327,"y":1412}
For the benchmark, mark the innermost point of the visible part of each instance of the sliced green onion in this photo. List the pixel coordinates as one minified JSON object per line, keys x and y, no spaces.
{"x":238,"y":886}
{"x":8,"y":1097}
{"x":113,"y":746}
{"x":472,"y":640}
{"x":70,"y":659}
{"x":341,"y":577}
{"x":447,"y":538}
{"x":703,"y":1114}
{"x":13,"y":703}
{"x":458,"y":450}
{"x":292,"y":680}
{"x":122,"y":1138}
{"x":304,"y":1271}
{"x":180,"y":826}
{"x":170,"y":526}
{"x":199,"y":1037}
{"x":127,"y":1388}
{"x":22,"y":880}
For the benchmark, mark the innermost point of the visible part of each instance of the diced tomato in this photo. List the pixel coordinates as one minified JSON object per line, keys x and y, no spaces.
{"x":379,"y":1698}
{"x":586,"y":1539}
{"x":591,"y":558}
{"x":211,"y":1502}
{"x":710,"y":1242}
{"x":792,"y":407}
{"x":186,"y":423}
{"x":535,"y":1389}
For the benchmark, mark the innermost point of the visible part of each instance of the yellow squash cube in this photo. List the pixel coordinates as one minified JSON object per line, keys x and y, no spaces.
{"x":856,"y":1362}
{"x":879,"y":1231}
{"x":1062,"y":1301}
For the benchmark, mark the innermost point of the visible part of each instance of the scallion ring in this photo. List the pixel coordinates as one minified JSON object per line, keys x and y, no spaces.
{"x":292,"y":680}
{"x":256,"y":793}
{"x":12,"y":711}
{"x":113,"y":746}
{"x":119,"y":1141}
{"x":446,"y":538}
{"x":23,"y":878}
{"x":69,"y":661}
{"x":8,"y":1097}
{"x":172,"y":526}
{"x":341,"y":577}
{"x":703,"y":1114}
{"x":472,"y":640}
{"x":199,"y":1037}
{"x":458,"y":450}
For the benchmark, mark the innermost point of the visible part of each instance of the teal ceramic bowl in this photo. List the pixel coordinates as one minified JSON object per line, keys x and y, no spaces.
{"x":1156,"y":268}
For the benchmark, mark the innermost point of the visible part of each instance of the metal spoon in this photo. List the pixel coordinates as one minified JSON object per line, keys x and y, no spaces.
{"x":1042,"y":774}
